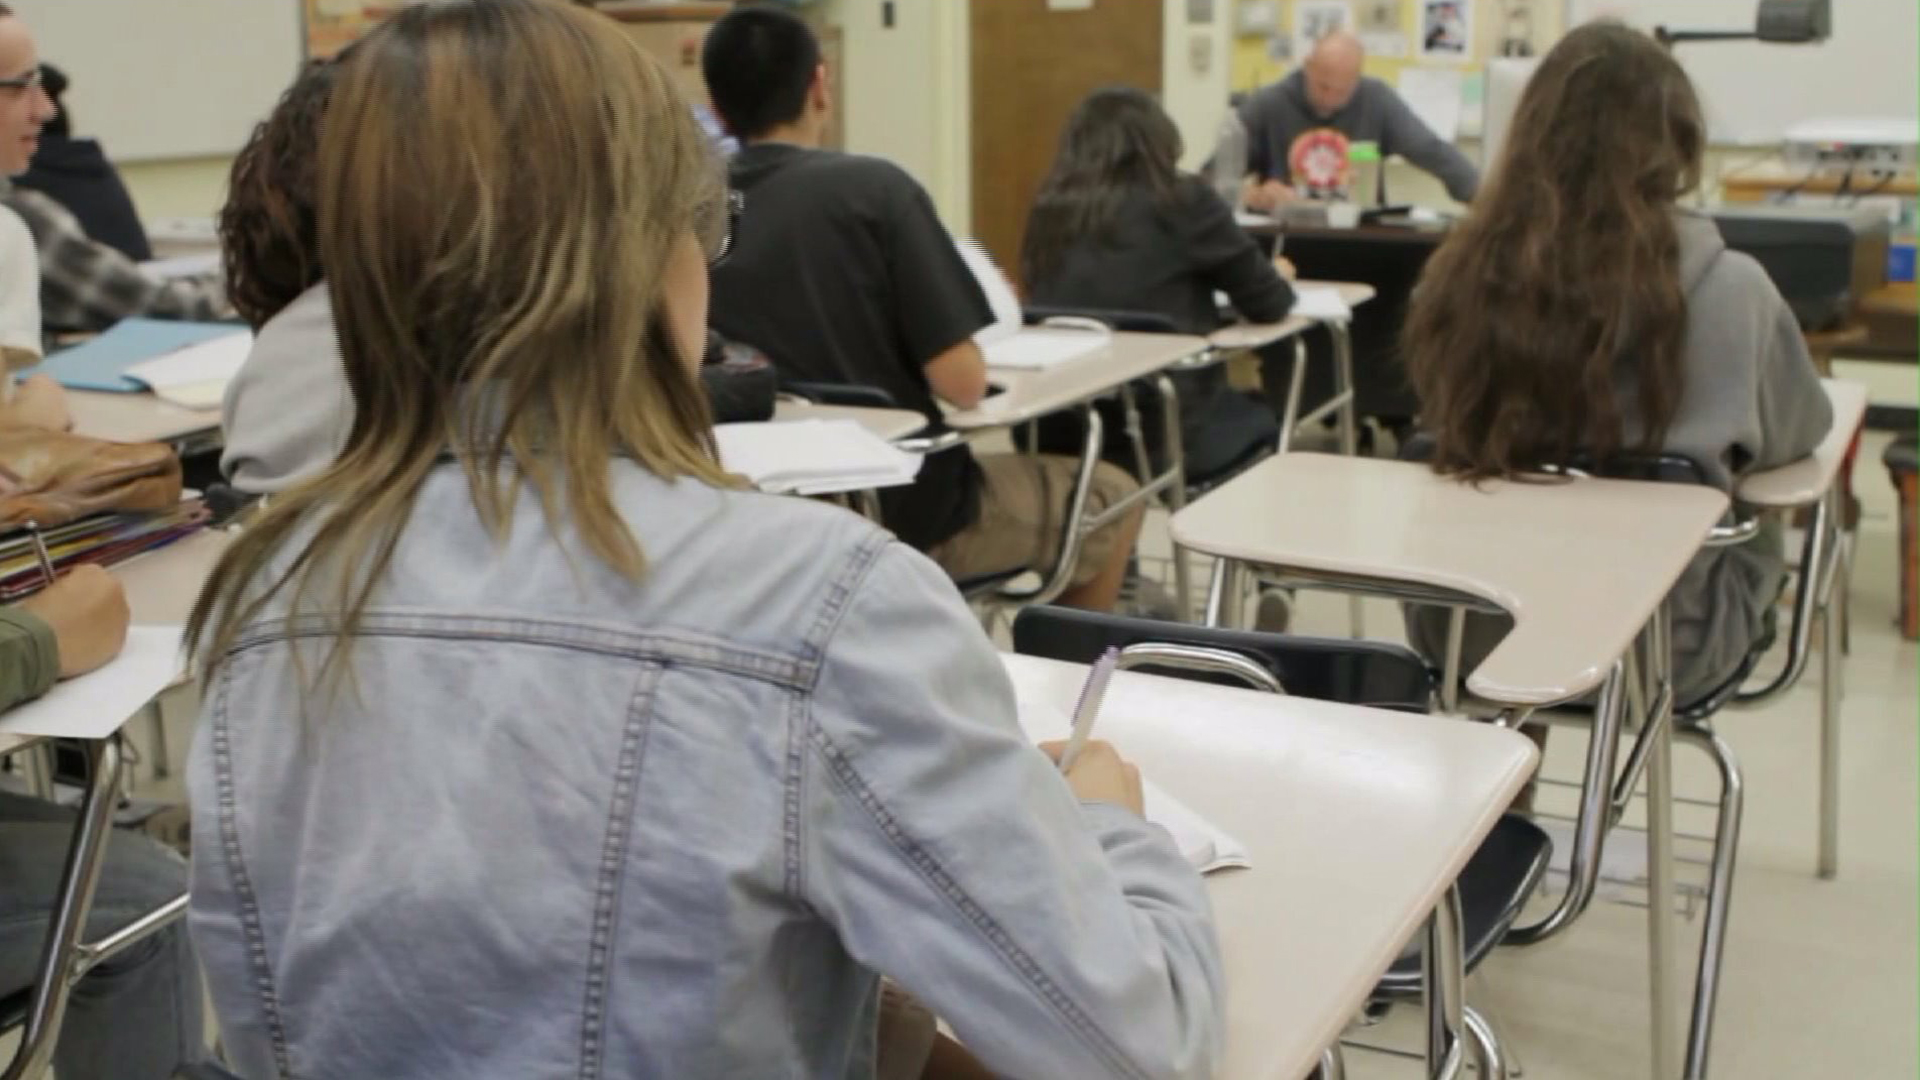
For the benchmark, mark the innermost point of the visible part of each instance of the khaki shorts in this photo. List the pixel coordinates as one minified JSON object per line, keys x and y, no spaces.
{"x":1022,"y":510}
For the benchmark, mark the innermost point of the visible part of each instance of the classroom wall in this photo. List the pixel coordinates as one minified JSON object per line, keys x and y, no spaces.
{"x":190,"y":187}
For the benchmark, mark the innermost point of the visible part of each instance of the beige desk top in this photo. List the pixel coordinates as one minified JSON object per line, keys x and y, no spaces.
{"x":1255,"y":335}
{"x":162,"y":585}
{"x":1026,"y":394}
{"x":1356,"y":820}
{"x":136,"y":417}
{"x":888,"y":424}
{"x":1804,"y":481}
{"x":1581,"y":565}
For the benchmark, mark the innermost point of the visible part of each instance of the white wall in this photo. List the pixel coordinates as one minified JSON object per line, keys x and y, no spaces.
{"x":1196,"y":71}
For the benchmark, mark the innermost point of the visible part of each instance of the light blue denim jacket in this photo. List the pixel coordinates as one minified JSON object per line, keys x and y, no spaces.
{"x":565,"y":825}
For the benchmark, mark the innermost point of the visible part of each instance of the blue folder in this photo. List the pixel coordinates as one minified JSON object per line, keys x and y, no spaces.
{"x":101,"y":364}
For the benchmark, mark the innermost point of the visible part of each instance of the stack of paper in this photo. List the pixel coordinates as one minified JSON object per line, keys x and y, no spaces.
{"x":196,"y":376}
{"x":101,"y":363}
{"x":1037,"y":349}
{"x":106,"y":539}
{"x":1320,"y":302}
{"x":813,"y":457}
{"x":1206,"y":847}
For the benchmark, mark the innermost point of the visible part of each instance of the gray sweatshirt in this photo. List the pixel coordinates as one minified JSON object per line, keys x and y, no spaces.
{"x":1280,"y":113}
{"x":1751,"y":400}
{"x":288,"y":411}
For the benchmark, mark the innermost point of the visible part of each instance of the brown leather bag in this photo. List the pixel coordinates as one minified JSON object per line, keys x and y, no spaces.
{"x":53,"y":477}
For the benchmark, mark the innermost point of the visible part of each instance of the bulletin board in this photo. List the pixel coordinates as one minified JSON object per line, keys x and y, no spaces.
{"x":332,"y":25}
{"x":1444,"y":35}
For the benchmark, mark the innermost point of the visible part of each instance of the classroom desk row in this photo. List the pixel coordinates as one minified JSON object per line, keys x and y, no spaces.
{"x":1399,"y":804}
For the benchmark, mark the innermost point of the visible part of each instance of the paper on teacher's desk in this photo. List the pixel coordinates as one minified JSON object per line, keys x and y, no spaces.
{"x":196,"y":376}
{"x":1319,"y":302}
{"x":1205,"y":846}
{"x":94,"y":706}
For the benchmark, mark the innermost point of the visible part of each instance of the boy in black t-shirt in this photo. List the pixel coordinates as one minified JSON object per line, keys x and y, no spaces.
{"x":841,"y":272}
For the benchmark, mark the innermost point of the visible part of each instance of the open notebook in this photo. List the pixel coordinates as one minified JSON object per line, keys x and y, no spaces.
{"x":197,"y":375}
{"x":1006,"y":342}
{"x":813,"y":457}
{"x":1205,"y":846}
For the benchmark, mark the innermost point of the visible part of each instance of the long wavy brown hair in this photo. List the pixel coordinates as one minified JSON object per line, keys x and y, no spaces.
{"x":1560,"y":293}
{"x":269,"y":239}
{"x":501,"y":184}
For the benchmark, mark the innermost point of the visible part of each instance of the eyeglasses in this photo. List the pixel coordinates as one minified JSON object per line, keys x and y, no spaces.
{"x":32,"y":80}
{"x":722,"y":245}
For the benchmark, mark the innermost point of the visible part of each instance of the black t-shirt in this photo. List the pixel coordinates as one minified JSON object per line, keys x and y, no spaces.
{"x":842,"y":273}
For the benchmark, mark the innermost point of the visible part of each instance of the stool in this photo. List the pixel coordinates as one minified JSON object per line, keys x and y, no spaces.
{"x":1903,"y":467}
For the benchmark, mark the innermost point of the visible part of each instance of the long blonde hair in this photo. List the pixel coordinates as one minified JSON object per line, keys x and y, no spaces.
{"x":501,"y":183}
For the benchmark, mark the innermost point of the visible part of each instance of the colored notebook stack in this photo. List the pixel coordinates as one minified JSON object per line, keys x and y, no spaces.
{"x":106,"y":539}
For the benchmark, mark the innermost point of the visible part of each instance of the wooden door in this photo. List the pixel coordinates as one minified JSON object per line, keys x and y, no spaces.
{"x":1032,"y":62}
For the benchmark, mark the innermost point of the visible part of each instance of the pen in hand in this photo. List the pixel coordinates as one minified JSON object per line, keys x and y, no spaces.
{"x":1088,"y":707}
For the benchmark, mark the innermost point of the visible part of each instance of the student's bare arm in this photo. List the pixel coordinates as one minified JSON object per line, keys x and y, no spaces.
{"x":959,"y":375}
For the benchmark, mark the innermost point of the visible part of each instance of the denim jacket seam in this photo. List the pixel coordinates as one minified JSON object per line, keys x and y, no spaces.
{"x":248,"y":900}
{"x":930,"y":869}
{"x":840,"y":590}
{"x":613,"y":859}
{"x":715,"y":654}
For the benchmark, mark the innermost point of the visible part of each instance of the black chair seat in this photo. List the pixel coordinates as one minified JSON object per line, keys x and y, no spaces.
{"x":1371,"y":673}
{"x":1494,"y":887}
{"x":870,"y":397}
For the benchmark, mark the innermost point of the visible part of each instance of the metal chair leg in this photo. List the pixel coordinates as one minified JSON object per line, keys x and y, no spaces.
{"x":1486,"y":1046}
{"x":1829,"y":845}
{"x":1713,"y":940}
{"x":157,"y":722}
{"x":1333,"y":1065}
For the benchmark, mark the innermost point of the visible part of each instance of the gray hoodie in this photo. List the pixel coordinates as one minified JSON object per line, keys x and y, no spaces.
{"x":1751,"y":400}
{"x":1279,"y":113}
{"x":288,"y":411}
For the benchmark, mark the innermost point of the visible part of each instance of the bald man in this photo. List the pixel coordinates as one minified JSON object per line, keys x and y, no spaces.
{"x":1298,"y":130}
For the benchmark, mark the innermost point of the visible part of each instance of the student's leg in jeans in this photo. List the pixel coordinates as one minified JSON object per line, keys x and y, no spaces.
{"x":138,"y":1016}
{"x":1023,"y":510}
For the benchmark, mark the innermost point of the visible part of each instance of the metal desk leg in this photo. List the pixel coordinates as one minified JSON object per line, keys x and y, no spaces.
{"x":1177,"y":494}
{"x":1590,"y":828}
{"x":1223,"y":593}
{"x":1660,"y":892}
{"x":1342,"y":336}
{"x":1296,"y":385}
{"x":85,"y":857}
{"x":1829,"y":850}
{"x":1443,"y":980}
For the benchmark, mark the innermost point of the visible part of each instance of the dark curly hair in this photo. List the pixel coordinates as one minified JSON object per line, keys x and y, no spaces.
{"x":269,"y":236}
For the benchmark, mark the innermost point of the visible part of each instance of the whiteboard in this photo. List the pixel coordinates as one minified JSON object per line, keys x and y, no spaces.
{"x":168,"y":78}
{"x":1753,"y":92}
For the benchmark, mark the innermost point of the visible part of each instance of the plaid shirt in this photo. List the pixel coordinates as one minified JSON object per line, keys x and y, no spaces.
{"x":88,"y":286}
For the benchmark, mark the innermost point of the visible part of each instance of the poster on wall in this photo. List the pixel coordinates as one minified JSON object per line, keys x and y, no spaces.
{"x":332,"y":25}
{"x":1381,"y":28}
{"x":1315,"y":19}
{"x":1446,"y":29}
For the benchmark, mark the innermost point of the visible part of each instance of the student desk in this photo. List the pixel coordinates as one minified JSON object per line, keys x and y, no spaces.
{"x":1028,"y":394}
{"x":162,"y":585}
{"x":1582,"y":566}
{"x":1357,"y":821}
{"x":1814,"y":482}
{"x":1388,"y":257}
{"x":1244,"y":336}
{"x":142,"y":417}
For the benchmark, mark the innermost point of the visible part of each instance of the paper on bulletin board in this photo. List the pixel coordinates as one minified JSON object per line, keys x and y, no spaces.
{"x":1382,"y":28}
{"x":332,"y":25}
{"x":1315,"y":19}
{"x":1446,"y":30}
{"x":1434,"y":95}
